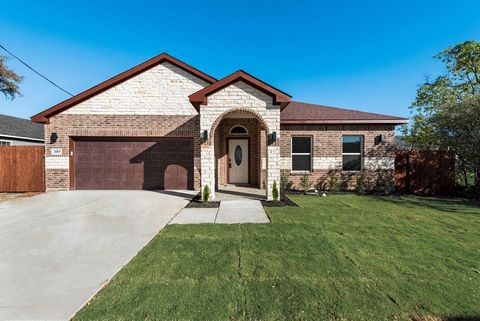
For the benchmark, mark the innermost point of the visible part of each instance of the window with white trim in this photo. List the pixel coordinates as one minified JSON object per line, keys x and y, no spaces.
{"x":352,"y":147}
{"x":5,"y":143}
{"x":301,"y":153}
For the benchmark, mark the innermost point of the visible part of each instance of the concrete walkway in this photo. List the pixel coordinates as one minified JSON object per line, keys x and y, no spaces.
{"x":230,"y":212}
{"x":57,"y":249}
{"x":233,"y":193}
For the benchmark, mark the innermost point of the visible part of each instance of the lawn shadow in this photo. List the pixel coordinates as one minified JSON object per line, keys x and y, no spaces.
{"x":449,"y":318}
{"x":439,"y":204}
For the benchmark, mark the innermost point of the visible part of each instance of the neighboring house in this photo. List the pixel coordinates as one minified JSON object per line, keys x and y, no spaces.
{"x":402,"y":144}
{"x":16,"y":131}
{"x":166,"y":125}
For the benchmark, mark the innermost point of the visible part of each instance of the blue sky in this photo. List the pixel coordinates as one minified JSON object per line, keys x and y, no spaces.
{"x":367,"y":55}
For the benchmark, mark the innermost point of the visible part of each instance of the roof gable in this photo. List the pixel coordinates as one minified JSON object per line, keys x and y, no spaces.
{"x":279,"y":97}
{"x":164,"y":57}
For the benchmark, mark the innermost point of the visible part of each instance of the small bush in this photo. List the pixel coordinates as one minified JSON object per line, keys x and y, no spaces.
{"x":275,"y":191}
{"x":363,"y":185}
{"x":285,"y":184}
{"x":384,"y":183}
{"x":206,"y":194}
{"x":334,"y":184}
{"x":305,"y":182}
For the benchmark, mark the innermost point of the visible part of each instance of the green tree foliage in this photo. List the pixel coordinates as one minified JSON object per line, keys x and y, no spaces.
{"x":9,"y":80}
{"x":446,"y":110}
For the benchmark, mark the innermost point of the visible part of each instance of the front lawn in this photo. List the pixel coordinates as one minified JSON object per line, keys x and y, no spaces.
{"x":342,"y":257}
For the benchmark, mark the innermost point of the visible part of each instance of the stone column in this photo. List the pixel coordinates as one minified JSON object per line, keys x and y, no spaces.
{"x":273,"y":170}
{"x":207,"y":163}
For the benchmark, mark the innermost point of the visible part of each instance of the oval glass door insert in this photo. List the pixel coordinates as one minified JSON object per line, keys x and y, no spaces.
{"x":238,"y":155}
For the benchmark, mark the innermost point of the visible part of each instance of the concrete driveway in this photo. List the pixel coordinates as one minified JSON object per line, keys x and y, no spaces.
{"x":57,"y":249}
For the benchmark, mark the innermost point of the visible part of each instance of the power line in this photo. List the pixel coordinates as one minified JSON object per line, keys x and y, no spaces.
{"x":32,"y":69}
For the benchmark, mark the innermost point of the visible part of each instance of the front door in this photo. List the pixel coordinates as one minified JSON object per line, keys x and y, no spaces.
{"x":238,"y":161}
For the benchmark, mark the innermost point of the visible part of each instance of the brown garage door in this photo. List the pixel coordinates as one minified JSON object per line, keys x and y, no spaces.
{"x":121,"y":163}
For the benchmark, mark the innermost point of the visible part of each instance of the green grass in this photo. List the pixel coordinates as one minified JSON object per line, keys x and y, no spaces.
{"x":342,"y":257}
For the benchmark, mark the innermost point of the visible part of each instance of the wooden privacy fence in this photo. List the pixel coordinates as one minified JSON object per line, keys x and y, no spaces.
{"x":22,"y":169}
{"x":425,"y":172}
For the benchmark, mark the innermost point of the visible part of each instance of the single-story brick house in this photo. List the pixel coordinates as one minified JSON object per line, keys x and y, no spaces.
{"x":166,"y":125}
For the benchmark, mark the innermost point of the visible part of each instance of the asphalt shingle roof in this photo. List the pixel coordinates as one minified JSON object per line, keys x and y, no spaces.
{"x":305,"y":113}
{"x":14,"y":126}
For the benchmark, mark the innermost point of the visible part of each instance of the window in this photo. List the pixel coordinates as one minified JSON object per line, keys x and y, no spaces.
{"x":238,"y":130}
{"x":5,"y":143}
{"x":302,"y":153}
{"x":352,"y":153}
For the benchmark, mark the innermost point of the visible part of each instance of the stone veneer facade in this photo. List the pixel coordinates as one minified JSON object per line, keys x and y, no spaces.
{"x":239,"y":99}
{"x":152,"y":104}
{"x":155,"y":103}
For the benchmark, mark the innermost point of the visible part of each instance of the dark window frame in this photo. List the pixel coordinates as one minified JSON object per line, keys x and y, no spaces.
{"x":362,"y":139}
{"x":4,"y":142}
{"x":300,"y":154}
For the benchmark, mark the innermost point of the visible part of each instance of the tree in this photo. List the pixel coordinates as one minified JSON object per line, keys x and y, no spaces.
{"x":9,"y":80}
{"x":446,"y":109}
{"x":458,"y":127}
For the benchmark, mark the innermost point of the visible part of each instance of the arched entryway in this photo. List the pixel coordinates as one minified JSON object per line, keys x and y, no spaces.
{"x":240,"y":141}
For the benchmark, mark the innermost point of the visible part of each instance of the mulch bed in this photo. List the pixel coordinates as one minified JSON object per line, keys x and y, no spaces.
{"x":196,"y":202}
{"x":284,"y":201}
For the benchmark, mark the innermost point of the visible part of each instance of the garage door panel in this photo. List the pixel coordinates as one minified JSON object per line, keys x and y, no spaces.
{"x":112,"y":156}
{"x":125,"y":163}
{"x":185,"y":156}
{"x":97,"y":156}
{"x":112,"y":172}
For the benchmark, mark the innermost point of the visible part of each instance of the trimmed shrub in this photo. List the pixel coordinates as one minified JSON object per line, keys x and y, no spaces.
{"x":275,"y":191}
{"x":206,"y":194}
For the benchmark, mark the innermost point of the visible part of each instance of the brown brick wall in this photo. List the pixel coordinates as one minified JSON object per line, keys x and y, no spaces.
{"x":71,"y":125}
{"x":327,"y":142}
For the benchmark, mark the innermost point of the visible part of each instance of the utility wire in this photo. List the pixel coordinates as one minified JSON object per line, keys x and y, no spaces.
{"x":32,"y":69}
